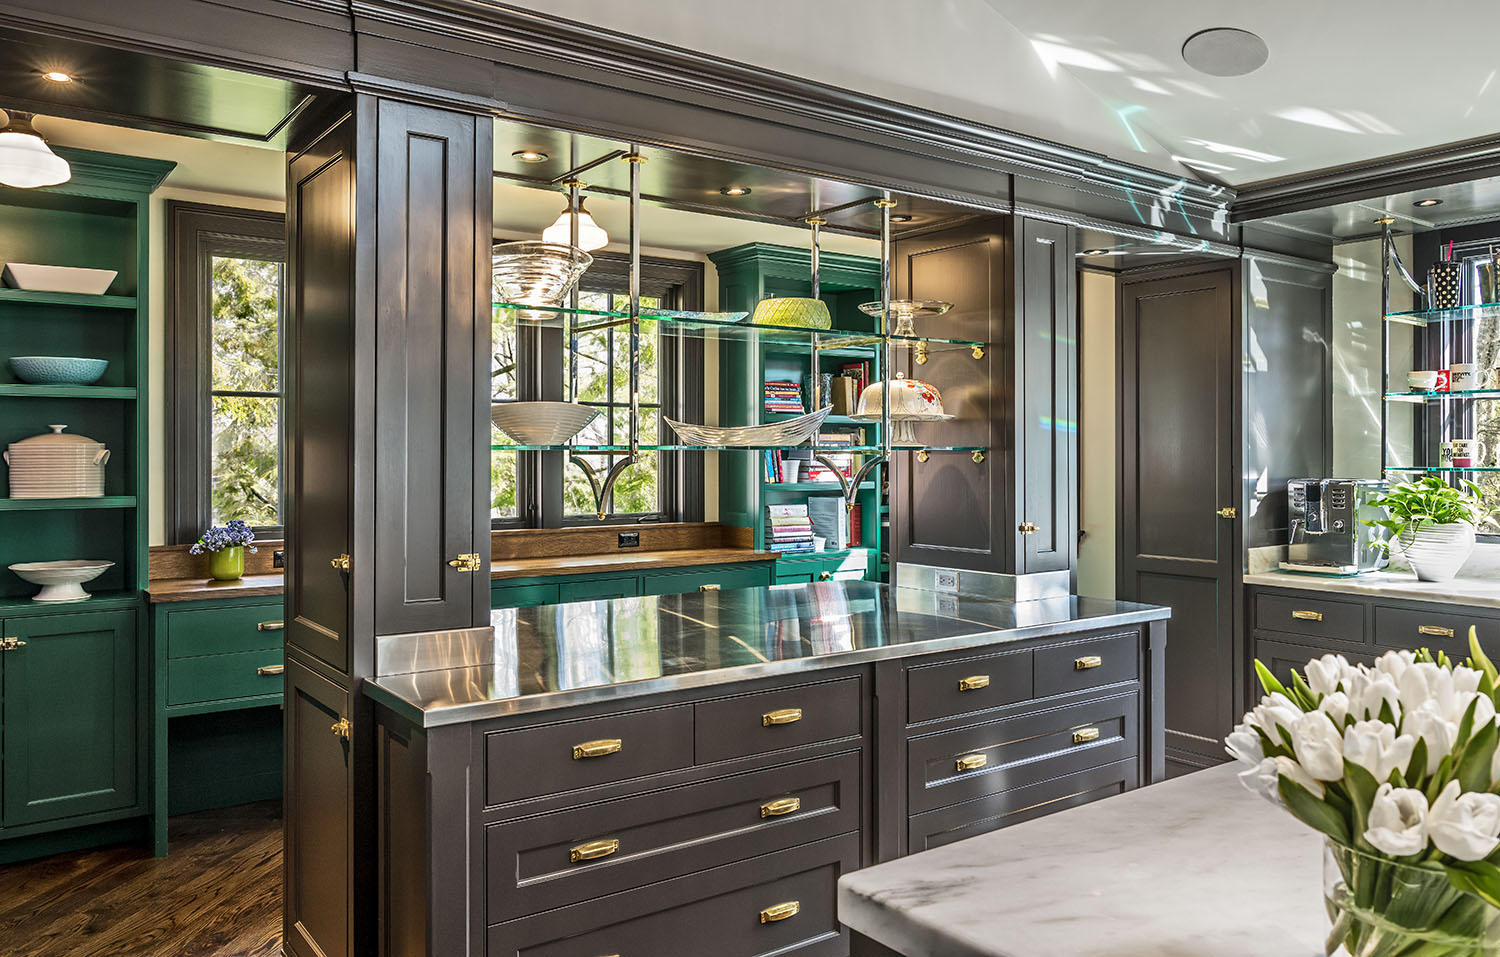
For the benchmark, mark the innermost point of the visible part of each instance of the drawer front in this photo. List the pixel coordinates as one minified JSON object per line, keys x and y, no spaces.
{"x":722,"y":578}
{"x":1439,"y":629}
{"x":536,"y":761}
{"x":852,"y":566}
{"x":221,"y":631}
{"x":968,"y":763}
{"x":522,"y":596}
{"x":770,"y":720}
{"x":936,"y":828}
{"x":222,"y":677}
{"x":565,"y":857}
{"x":600,"y":589}
{"x":725,"y":911}
{"x":1087,"y":664}
{"x":962,"y":687}
{"x":1311,"y":615}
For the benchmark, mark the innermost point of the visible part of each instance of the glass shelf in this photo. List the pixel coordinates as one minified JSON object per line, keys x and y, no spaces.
{"x":702,"y":325}
{"x":1422,"y":317}
{"x":825,"y":449}
{"x":1440,"y":468}
{"x":1455,"y":394}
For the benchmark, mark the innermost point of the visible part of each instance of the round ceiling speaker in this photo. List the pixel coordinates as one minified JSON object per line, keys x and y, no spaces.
{"x":1225,"y":51}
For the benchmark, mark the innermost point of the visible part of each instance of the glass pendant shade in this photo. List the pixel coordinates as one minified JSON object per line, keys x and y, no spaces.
{"x":591,"y":235}
{"x":25,"y":160}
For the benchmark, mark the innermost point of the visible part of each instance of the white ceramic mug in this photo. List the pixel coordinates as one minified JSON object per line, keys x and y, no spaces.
{"x":1460,"y":453}
{"x":1422,"y":380}
{"x":1463,"y":376}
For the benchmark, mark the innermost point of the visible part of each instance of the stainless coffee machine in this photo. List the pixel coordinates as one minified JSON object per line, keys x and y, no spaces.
{"x":1329,"y":534}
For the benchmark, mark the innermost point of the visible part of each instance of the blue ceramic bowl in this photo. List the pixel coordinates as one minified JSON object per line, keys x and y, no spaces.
{"x":58,"y":370}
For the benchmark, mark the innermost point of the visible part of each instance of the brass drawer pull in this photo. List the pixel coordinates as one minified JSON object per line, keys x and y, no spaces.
{"x":593,"y":850}
{"x":1087,"y":662}
{"x":270,"y":625}
{"x":596,"y":749}
{"x":781,"y":716}
{"x":1083,"y":735}
{"x":971,"y":762}
{"x":1436,"y":631}
{"x":711,"y":587}
{"x":780,"y":911}
{"x":780,"y":806}
{"x":267,"y":670}
{"x":1308,"y":615}
{"x":973,"y":682}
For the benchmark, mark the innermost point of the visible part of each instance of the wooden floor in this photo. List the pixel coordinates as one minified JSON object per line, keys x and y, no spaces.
{"x":217,"y":894}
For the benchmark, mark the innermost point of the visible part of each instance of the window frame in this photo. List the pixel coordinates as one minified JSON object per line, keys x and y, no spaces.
{"x":196,"y":233}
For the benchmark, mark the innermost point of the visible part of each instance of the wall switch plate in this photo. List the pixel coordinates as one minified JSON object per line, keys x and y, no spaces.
{"x":630,"y":539}
{"x":278,"y":558}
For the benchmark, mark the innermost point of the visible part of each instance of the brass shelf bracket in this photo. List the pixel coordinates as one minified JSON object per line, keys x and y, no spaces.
{"x":849,"y":486}
{"x":602,"y":485}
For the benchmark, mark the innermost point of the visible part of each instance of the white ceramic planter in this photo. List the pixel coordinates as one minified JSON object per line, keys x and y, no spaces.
{"x":1437,"y":552}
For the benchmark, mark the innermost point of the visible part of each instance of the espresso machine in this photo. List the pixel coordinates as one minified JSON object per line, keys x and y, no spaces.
{"x":1328,"y":531}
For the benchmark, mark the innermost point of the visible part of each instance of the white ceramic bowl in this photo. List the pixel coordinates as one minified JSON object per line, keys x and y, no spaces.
{"x":39,"y":278}
{"x":61,"y":581}
{"x":541,"y":423}
{"x":1421,"y":381}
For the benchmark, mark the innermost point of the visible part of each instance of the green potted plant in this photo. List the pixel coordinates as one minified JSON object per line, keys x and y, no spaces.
{"x":225,"y":546}
{"x":1431,"y":523}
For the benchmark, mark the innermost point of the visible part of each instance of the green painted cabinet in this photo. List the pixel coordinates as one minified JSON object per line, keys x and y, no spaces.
{"x":523,"y":596}
{"x":597,"y":588}
{"x":69,"y":713}
{"x":523,"y":592}
{"x":843,"y":566}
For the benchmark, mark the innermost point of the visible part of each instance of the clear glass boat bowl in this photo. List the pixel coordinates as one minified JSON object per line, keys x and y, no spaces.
{"x":788,"y":433}
{"x":541,"y":423}
{"x":535,"y":273}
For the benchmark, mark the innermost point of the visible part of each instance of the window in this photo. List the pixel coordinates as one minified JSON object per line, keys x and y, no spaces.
{"x":224,"y":360}
{"x":548,"y":490}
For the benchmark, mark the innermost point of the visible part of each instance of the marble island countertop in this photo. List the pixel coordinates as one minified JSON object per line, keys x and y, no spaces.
{"x":553,"y":656}
{"x":1195,"y":865}
{"x":1478,"y":583}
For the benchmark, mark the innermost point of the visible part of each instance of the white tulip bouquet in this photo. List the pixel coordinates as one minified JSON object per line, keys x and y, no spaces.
{"x":1397,"y":765}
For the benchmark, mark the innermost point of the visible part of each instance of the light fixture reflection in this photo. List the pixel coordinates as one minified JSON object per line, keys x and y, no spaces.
{"x":1424,"y":203}
{"x":591,"y":235}
{"x":57,"y":76}
{"x":25,"y":160}
{"x":735,"y":190}
{"x":530,"y":156}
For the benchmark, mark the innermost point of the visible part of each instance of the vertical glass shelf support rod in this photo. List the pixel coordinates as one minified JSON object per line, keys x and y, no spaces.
{"x":1385,"y":340}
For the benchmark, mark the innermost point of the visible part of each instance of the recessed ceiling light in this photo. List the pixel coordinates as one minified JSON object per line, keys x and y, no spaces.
{"x":1225,"y":51}
{"x":901,"y":218}
{"x":57,"y":76}
{"x":530,"y":156}
{"x":735,"y":190}
{"x":1424,"y":203}
{"x":1094,"y":252}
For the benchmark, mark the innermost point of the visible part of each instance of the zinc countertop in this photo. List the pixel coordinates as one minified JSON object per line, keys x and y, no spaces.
{"x":553,"y":656}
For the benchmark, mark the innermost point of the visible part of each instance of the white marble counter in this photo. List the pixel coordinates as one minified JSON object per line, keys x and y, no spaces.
{"x":1195,"y":865}
{"x":1478,"y":582}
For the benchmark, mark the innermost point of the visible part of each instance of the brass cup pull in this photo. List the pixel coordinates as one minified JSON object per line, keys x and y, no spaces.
{"x":270,"y":625}
{"x":781,"y":716}
{"x":1436,"y":631}
{"x":972,"y":762}
{"x":268,"y":670}
{"x":710,"y":587}
{"x":1313,"y":616}
{"x":1083,"y":735}
{"x":1087,"y":662}
{"x":596,"y":749}
{"x":343,"y":728}
{"x":973,"y":682}
{"x":593,"y":850}
{"x":780,"y":806}
{"x":780,"y":911}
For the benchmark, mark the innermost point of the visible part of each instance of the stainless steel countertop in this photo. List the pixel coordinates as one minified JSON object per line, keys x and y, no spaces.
{"x":554,"y":656}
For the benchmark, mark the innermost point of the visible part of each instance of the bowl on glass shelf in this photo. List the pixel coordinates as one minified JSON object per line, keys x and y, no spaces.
{"x":541,"y":423}
{"x":912,"y":401}
{"x":905,"y":310}
{"x":793,"y":312}
{"x":61,"y":581}
{"x":781,"y":434}
{"x":537,"y":274}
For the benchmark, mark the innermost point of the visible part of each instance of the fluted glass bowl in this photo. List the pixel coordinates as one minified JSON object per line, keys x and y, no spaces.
{"x":788,"y":433}
{"x":537,"y":274}
{"x":541,"y":423}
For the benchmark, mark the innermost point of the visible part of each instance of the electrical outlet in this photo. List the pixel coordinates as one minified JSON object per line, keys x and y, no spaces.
{"x":945,"y":581}
{"x":630,"y":539}
{"x":278,"y":558}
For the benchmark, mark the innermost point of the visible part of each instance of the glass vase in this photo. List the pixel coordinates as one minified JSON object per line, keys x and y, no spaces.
{"x":227,"y":564}
{"x":1380,"y":908}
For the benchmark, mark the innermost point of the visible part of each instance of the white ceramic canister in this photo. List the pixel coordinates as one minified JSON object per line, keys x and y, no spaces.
{"x":55,"y":465}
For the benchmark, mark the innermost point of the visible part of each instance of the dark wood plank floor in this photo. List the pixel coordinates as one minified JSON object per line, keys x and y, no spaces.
{"x":217,"y":894}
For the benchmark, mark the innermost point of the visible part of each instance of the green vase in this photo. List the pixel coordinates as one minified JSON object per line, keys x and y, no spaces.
{"x":227,"y":564}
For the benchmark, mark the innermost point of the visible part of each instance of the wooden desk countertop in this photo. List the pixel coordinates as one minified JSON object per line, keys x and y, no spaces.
{"x":197,"y":589}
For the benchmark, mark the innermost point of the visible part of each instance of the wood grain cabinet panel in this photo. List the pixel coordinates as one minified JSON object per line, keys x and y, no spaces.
{"x":537,"y":863}
{"x":773,"y":720}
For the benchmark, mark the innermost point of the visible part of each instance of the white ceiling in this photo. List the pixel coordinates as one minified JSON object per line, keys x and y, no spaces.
{"x":1344,"y":82}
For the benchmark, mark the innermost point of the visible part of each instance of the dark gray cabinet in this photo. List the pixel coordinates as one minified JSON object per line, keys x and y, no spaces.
{"x":1012,"y":283}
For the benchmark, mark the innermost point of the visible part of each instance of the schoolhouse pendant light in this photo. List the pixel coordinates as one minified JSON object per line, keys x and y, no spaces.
{"x":591,"y":235}
{"x":25,"y":160}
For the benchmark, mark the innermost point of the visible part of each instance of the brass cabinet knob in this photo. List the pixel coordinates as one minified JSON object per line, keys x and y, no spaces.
{"x":1087,"y":662}
{"x":781,"y":716}
{"x":1436,"y":631}
{"x":1307,"y":615}
{"x":343,"y":728}
{"x":342,"y":563}
{"x":780,"y":911}
{"x":972,"y":762}
{"x":1228,"y":511}
{"x":1027,"y":528}
{"x":270,"y":625}
{"x":1085,"y":734}
{"x":593,"y":850}
{"x":266,"y":671}
{"x":780,"y":806}
{"x":596,"y":749}
{"x":973,"y":682}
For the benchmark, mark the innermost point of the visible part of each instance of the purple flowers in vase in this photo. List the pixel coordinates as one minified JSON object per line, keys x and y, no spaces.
{"x":225,"y":546}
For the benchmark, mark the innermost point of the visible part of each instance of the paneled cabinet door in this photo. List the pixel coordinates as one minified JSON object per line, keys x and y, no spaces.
{"x":69,"y":707}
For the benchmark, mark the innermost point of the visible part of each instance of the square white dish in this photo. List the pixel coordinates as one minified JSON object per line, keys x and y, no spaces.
{"x":36,"y":277}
